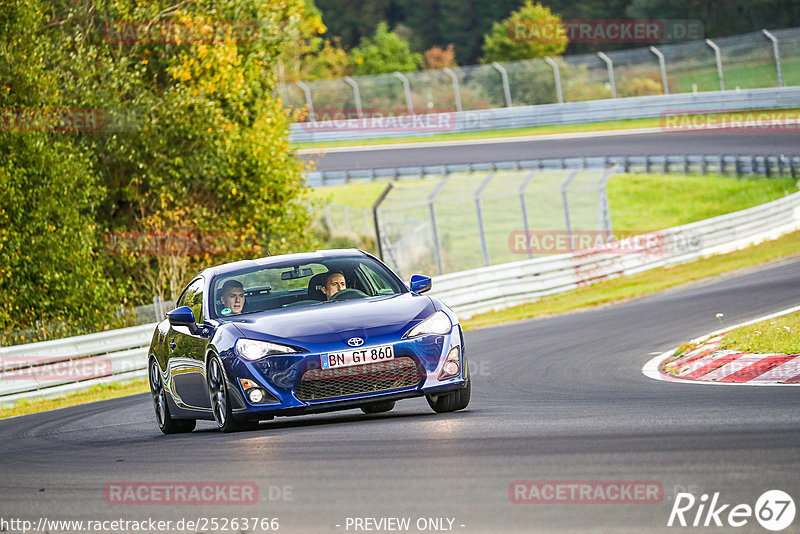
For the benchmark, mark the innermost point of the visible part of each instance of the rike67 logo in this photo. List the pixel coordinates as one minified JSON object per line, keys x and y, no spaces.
{"x":774,"y":510}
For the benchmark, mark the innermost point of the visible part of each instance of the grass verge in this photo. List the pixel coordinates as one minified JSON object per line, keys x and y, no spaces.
{"x":97,"y":392}
{"x":629,"y":124}
{"x":620,"y":289}
{"x":780,"y":335}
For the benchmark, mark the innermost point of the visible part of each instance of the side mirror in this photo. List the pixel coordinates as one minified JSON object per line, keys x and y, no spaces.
{"x":183,"y":316}
{"x":420,"y":283}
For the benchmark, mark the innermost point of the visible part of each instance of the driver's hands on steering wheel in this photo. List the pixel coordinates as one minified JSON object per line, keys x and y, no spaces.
{"x":347,"y":294}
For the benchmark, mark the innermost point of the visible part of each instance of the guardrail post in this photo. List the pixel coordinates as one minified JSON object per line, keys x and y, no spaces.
{"x":557,"y":75}
{"x":777,"y":53}
{"x":456,"y":88}
{"x":479,"y":213}
{"x":565,"y":204}
{"x":407,"y":90}
{"x":307,"y":91}
{"x":356,"y":94}
{"x":663,"y":67}
{"x":375,"y":206}
{"x":437,"y":244}
{"x":524,"y":206}
{"x":504,"y":76}
{"x":158,"y":308}
{"x":610,"y":68}
{"x":718,"y":56}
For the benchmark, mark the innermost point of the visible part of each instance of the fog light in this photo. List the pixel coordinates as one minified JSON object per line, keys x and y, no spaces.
{"x":452,"y":364}
{"x":255,"y":395}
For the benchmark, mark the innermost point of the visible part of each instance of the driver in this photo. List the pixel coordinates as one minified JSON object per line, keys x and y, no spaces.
{"x":232,"y":297}
{"x":333,"y":284}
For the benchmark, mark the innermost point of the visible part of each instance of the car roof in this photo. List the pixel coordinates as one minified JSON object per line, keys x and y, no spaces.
{"x":299,"y":257}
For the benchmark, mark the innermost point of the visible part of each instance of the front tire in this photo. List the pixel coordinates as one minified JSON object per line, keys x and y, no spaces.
{"x":166,"y":423}
{"x":221,"y":398}
{"x":378,"y":407}
{"x":452,"y":401}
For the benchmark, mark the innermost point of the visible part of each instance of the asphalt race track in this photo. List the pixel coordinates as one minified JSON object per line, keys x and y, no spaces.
{"x":706,"y":142}
{"x":559,"y":398}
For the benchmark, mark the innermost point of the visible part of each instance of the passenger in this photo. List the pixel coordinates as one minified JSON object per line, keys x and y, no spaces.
{"x":232,"y":297}
{"x":333,"y":284}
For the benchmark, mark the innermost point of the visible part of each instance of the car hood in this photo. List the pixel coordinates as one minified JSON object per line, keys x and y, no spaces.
{"x":374,"y":319}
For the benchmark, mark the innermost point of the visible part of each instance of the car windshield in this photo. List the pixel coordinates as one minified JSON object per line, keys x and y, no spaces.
{"x":292,"y":285}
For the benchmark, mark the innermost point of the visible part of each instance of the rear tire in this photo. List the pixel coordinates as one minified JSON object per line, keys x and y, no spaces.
{"x":378,"y":407}
{"x":166,"y":423}
{"x":452,"y":401}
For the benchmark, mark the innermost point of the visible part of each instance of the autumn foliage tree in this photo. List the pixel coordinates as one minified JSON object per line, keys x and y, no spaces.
{"x":191,"y":139}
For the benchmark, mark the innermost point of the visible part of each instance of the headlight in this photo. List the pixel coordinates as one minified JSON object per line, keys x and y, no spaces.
{"x":438,"y":323}
{"x":255,"y":350}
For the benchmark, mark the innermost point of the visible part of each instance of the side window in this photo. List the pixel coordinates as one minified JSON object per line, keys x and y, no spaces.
{"x":193,"y":297}
{"x":381,"y":286}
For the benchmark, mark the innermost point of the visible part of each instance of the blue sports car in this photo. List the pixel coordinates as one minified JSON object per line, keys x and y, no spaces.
{"x":303,"y":333}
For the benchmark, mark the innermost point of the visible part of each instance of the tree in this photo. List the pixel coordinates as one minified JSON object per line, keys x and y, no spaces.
{"x":530,"y":32}
{"x":383,"y":52}
{"x":436,"y":58}
{"x":50,"y":190}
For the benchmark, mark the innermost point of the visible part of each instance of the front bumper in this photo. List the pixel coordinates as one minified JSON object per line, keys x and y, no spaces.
{"x":296,"y":384}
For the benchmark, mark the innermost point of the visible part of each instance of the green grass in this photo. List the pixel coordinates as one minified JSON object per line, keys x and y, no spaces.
{"x":649,"y":282}
{"x":780,"y":335}
{"x":94,"y":393}
{"x":744,"y":75}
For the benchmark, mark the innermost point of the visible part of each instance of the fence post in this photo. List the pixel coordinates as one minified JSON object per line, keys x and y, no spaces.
{"x":504,"y":76}
{"x":437,"y":244}
{"x":663,"y":67}
{"x":777,"y":53}
{"x":557,"y":74}
{"x":356,"y":94}
{"x":328,"y":220}
{"x":604,"y":221}
{"x":718,"y":56}
{"x":565,"y":204}
{"x":375,"y":207}
{"x":456,"y":88}
{"x":524,"y":206}
{"x":479,"y":213}
{"x":407,"y":90}
{"x":307,"y":91}
{"x":610,"y":68}
{"x":347,"y":218}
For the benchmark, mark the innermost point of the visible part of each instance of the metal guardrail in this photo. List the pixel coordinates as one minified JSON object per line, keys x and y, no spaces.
{"x":60,"y":366}
{"x":766,"y":165}
{"x":555,"y":114}
{"x":121,"y":354}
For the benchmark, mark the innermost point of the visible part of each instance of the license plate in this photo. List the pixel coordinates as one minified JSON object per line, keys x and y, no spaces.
{"x":347,"y":358}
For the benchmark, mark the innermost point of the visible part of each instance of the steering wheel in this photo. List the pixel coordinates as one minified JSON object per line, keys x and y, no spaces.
{"x":348,"y":294}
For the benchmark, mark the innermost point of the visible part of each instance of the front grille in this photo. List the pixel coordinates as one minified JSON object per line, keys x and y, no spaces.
{"x":320,"y":384}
